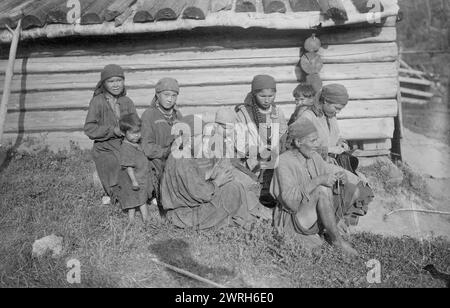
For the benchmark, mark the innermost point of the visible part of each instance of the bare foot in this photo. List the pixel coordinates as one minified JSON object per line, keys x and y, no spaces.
{"x":346,"y":248}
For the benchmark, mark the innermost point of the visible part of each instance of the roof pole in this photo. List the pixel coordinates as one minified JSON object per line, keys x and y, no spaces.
{"x":8,"y":77}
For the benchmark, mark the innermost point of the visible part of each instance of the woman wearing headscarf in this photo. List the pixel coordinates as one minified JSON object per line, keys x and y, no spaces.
{"x":334,"y":149}
{"x":157,"y":123}
{"x":259,"y":113}
{"x":108,"y":104}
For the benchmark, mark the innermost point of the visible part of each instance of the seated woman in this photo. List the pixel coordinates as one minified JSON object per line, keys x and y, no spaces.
{"x":334,"y":149}
{"x":194,"y":197}
{"x":263,"y":119}
{"x":303,"y":184}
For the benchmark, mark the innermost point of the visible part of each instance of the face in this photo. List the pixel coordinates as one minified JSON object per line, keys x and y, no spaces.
{"x":308,"y":144}
{"x":114,"y":85}
{"x":133,"y":136}
{"x":304,"y":100}
{"x":332,"y":109}
{"x":265,"y":98}
{"x":167,"y":99}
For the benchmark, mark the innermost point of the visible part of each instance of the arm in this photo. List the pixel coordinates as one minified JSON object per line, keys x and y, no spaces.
{"x":130,"y":171}
{"x":93,"y":129}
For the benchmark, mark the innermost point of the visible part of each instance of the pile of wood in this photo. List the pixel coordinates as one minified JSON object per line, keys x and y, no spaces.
{"x":416,"y":86}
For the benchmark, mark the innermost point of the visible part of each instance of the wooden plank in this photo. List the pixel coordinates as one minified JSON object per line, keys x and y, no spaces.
{"x":374,"y":153}
{"x":377,"y":144}
{"x":123,"y":17}
{"x":221,"y":5}
{"x":95,"y":12}
{"x":422,"y":82}
{"x":202,"y":77}
{"x":167,"y":9}
{"x":360,"y":35}
{"x":413,"y":92}
{"x":363,"y":129}
{"x":143,"y":12}
{"x":274,"y":6}
{"x":117,"y":8}
{"x":414,"y":101}
{"x":244,"y":6}
{"x":383,"y":52}
{"x":196,"y":9}
{"x":357,"y":52}
{"x":304,"y":5}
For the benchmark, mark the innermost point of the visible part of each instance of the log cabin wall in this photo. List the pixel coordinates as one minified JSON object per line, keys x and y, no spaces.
{"x":54,"y":79}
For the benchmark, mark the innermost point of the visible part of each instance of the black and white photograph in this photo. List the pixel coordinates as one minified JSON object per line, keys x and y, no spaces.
{"x":224,"y":150}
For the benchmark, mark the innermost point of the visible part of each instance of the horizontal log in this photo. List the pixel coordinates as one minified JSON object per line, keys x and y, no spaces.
{"x":422,"y":82}
{"x":373,"y":89}
{"x":354,"y":53}
{"x":374,"y":145}
{"x":372,"y":153}
{"x":196,"y":40}
{"x":34,"y":122}
{"x":193,"y":77}
{"x":414,"y":101}
{"x":416,"y":92}
{"x":59,"y":141}
{"x":358,"y":35}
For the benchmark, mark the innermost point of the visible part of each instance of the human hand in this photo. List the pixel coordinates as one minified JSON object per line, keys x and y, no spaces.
{"x":223,"y":177}
{"x":118,"y":132}
{"x":342,"y":176}
{"x":328,"y":180}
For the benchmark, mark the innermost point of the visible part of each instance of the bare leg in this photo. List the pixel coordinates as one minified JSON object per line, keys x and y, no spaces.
{"x":326,"y":214}
{"x":131,"y":213}
{"x":144,"y":212}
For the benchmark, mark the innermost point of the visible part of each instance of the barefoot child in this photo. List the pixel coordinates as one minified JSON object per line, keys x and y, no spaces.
{"x":136,"y":189}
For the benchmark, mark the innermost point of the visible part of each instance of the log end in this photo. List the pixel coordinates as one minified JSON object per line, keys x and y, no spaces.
{"x":337,"y":15}
{"x":31,"y":21}
{"x":6,"y":22}
{"x":57,"y":17}
{"x":304,"y":5}
{"x":194,"y":13}
{"x":363,"y":7}
{"x":166,"y":14}
{"x":243,"y":6}
{"x":111,"y":15}
{"x":142,"y":17}
{"x":91,"y":19}
{"x":275,"y":7}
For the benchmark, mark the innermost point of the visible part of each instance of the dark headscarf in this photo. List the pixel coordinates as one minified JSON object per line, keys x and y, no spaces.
{"x":109,"y":71}
{"x":335,"y":94}
{"x":260,"y":82}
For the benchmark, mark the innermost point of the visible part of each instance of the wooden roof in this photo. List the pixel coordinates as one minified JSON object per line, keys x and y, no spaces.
{"x":57,"y":18}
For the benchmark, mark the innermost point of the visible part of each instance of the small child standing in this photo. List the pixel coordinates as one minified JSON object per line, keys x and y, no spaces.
{"x":136,"y":188}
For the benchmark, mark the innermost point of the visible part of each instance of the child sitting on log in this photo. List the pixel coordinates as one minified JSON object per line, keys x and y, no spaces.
{"x":136,"y":188}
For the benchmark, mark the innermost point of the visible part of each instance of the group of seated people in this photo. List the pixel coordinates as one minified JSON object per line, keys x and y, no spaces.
{"x":250,"y":163}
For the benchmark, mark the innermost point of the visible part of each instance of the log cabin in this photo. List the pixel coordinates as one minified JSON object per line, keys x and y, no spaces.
{"x":213,"y":47}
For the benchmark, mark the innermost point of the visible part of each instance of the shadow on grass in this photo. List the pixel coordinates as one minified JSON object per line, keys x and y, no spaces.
{"x":176,"y":252}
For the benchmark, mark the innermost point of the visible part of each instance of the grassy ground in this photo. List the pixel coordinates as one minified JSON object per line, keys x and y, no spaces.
{"x":47,"y":193}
